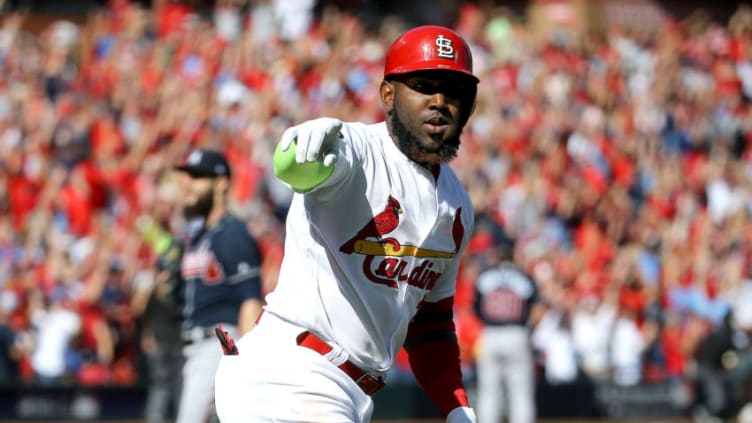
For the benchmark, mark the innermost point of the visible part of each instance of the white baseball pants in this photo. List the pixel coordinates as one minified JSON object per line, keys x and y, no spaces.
{"x":272,"y":379}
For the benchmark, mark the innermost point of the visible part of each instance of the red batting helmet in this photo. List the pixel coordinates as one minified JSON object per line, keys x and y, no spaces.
{"x":429,"y":47}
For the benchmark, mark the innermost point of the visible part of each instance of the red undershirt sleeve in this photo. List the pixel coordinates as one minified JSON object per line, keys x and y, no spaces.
{"x":434,"y":355}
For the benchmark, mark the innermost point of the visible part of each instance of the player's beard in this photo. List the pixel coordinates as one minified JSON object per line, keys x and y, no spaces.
{"x":409,"y":143}
{"x":201,"y":207}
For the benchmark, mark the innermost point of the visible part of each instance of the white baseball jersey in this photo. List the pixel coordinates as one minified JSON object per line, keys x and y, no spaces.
{"x":367,"y":246}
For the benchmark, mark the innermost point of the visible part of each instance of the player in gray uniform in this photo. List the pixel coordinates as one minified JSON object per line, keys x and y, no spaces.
{"x":505,"y":296}
{"x":220,"y":279}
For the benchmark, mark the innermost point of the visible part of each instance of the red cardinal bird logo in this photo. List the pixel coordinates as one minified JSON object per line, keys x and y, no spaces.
{"x":381,"y":224}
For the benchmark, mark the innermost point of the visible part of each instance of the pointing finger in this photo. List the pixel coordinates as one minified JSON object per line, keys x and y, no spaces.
{"x":304,"y":140}
{"x":314,"y":146}
{"x":287,"y":138}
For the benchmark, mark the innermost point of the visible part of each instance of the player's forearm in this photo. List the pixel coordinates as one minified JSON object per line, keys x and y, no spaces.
{"x":249,"y":311}
{"x":436,"y":367}
{"x":434,"y":356}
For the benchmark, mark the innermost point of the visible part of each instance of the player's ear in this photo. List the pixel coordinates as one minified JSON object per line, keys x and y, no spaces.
{"x":386,"y":90}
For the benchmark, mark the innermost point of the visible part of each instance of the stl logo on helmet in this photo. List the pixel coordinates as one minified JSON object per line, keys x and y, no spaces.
{"x":445,"y":47}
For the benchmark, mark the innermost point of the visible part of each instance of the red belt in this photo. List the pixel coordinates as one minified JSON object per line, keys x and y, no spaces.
{"x":368,"y":383}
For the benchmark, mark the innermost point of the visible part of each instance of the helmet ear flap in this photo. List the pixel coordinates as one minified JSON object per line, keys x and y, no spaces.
{"x":429,"y":47}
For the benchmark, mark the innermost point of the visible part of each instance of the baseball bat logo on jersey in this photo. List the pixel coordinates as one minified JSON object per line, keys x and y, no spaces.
{"x":399,"y":262}
{"x":202,"y":264}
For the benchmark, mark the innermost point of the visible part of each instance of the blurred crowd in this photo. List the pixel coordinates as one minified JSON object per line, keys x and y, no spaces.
{"x":620,"y":163}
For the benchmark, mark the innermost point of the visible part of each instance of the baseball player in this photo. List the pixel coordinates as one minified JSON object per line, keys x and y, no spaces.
{"x":220,"y":278}
{"x":374,"y":237}
{"x":505,"y":297}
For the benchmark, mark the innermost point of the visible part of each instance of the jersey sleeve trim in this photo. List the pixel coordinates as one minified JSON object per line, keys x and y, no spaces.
{"x":241,"y":277}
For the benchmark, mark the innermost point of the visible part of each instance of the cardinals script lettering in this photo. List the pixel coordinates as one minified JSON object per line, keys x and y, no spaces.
{"x":391,"y":270}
